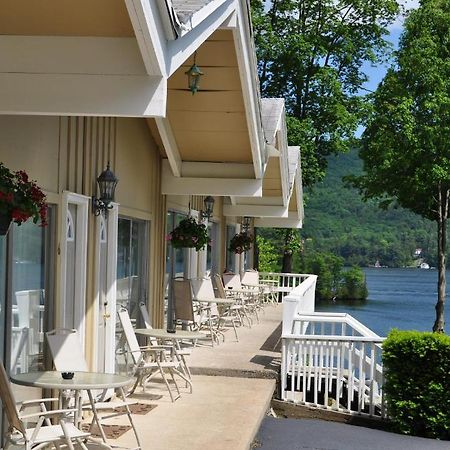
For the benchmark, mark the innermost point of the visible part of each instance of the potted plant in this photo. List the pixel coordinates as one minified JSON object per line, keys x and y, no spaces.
{"x":241,"y":242}
{"x":189,"y":234}
{"x":20,"y":199}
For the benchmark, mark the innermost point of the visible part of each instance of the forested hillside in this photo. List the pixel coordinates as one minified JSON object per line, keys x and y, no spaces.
{"x":339,"y":222}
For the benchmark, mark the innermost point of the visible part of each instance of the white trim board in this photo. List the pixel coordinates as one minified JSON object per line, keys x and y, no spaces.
{"x":85,"y":95}
{"x":274,"y":222}
{"x":83,"y":208}
{"x":255,"y":211}
{"x":172,"y":185}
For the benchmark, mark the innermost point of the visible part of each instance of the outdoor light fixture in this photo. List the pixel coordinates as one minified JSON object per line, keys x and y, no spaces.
{"x":209,"y":207}
{"x":246,"y":224}
{"x":107,"y":183}
{"x":194,"y":74}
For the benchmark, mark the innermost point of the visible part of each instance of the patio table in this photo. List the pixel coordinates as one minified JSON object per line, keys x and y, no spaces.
{"x":82,"y":381}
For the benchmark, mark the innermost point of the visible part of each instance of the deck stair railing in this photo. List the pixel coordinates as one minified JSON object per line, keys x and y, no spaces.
{"x":332,"y":361}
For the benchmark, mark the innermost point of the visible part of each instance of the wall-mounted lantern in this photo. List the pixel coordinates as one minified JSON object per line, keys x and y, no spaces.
{"x":194,"y":74}
{"x":107,"y":183}
{"x":209,"y":207}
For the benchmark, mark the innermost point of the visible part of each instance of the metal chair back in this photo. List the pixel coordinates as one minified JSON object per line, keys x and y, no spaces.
{"x":130,"y":336}
{"x":9,"y":403}
{"x":182,"y":297}
{"x":250,"y":278}
{"x":66,"y":350}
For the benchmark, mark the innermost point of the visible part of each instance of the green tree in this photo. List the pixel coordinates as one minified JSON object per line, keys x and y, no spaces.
{"x":328,"y":269}
{"x":311,"y":53}
{"x":406,"y":144}
{"x":267,"y":255}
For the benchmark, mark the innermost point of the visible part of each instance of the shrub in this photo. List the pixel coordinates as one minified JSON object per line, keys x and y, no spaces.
{"x":353,"y":285}
{"x":417,"y":382}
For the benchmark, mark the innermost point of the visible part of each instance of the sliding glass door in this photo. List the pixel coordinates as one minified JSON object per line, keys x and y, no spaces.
{"x":132,"y":279}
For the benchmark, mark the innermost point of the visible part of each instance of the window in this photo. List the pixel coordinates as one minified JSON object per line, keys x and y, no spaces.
{"x":30,"y":297}
{"x":213,"y":249}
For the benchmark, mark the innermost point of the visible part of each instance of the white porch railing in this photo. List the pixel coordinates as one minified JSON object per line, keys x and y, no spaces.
{"x":331,"y":361}
{"x":284,"y":283}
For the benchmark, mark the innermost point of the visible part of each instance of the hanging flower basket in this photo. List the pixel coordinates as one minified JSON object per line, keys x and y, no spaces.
{"x":241,"y":242}
{"x":189,"y":234}
{"x":20,"y":199}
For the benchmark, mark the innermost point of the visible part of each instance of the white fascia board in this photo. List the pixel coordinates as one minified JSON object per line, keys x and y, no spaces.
{"x":170,"y":145}
{"x":179,"y":50}
{"x":199,"y":16}
{"x":150,"y":34}
{"x":284,"y":160}
{"x":221,"y":187}
{"x":255,"y":210}
{"x":83,"y":95}
{"x":299,"y":191}
{"x":246,"y":56}
{"x":273,"y":222}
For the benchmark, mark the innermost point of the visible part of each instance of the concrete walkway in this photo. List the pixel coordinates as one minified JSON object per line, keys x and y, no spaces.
{"x":295,"y":434}
{"x":233,"y":386}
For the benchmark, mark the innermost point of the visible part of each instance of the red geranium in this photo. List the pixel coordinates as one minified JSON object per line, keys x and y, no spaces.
{"x":21,"y":198}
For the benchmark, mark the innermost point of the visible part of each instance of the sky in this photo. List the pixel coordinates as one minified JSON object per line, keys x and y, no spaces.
{"x":376,"y":74}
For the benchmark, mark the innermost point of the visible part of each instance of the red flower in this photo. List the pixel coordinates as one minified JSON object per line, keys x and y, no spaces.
{"x":19,"y":216}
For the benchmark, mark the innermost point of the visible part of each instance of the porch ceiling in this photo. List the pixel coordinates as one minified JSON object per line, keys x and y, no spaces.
{"x":211,"y":125}
{"x":65,"y":18}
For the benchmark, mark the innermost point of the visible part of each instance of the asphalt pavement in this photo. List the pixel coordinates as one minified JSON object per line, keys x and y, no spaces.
{"x":300,"y":434}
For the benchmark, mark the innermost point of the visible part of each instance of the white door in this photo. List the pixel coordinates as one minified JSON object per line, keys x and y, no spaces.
{"x":106,"y":291}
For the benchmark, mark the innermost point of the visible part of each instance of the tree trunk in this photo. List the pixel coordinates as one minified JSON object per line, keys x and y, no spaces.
{"x":439,"y":324}
{"x":255,"y":250}
{"x":287,"y":253}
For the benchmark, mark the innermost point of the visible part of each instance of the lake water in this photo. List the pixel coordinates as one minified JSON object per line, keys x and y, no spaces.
{"x":398,"y":298}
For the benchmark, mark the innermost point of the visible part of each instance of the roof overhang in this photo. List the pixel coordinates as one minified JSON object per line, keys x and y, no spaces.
{"x":77,"y":75}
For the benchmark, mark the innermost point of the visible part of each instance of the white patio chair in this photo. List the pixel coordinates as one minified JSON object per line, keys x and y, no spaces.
{"x":250,"y":295}
{"x":175,"y":350}
{"x":149,"y":360}
{"x":238,"y":307}
{"x":251,"y":279}
{"x":44,"y":433}
{"x":185,"y":313}
{"x":202,"y":289}
{"x":65,"y":348}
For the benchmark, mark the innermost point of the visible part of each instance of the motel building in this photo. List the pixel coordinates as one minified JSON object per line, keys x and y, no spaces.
{"x":89,"y":83}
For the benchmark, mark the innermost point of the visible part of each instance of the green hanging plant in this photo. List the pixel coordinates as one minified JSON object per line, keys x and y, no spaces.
{"x":189,"y":234}
{"x":241,"y":242}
